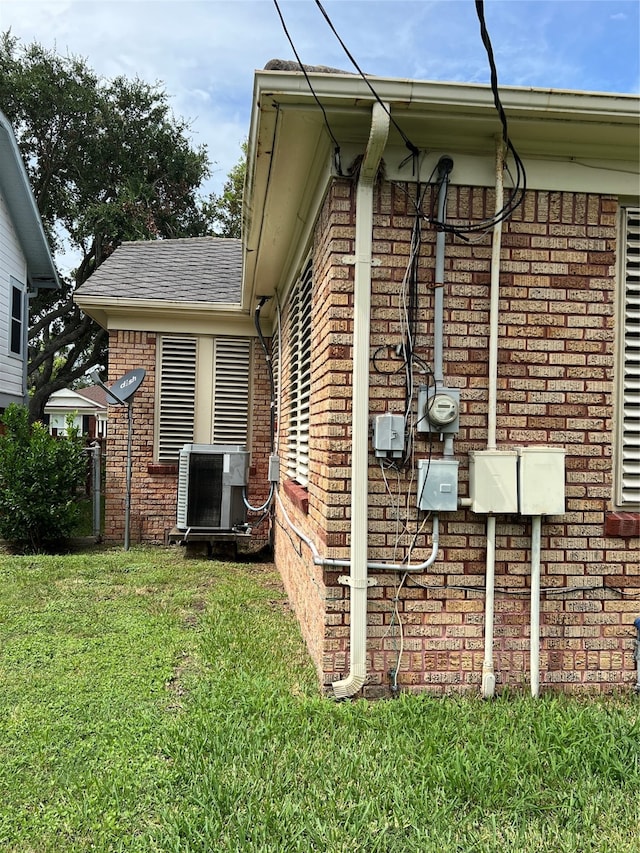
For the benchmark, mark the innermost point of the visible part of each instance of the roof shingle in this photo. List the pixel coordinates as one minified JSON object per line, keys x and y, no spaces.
{"x":191,"y":269}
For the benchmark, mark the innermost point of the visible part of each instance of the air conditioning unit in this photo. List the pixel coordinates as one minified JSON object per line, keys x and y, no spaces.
{"x":211,"y":480}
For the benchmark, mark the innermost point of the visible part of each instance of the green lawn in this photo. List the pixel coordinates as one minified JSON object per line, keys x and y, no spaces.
{"x":152,"y":703}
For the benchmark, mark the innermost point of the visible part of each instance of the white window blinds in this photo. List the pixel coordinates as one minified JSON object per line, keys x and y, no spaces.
{"x":629,"y":411}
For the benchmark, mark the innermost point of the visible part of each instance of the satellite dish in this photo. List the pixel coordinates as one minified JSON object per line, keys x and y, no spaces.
{"x":124,"y":388}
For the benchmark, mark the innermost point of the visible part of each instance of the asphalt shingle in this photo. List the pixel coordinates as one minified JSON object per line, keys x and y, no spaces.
{"x":192,"y":269}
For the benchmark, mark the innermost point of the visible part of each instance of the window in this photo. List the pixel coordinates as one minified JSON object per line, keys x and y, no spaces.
{"x":300,"y":377}
{"x":628,"y":455}
{"x":16,"y":332}
{"x":203,"y":392}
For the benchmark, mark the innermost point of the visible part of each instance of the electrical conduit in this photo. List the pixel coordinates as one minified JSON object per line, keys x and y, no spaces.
{"x":360,"y":407}
{"x":488,"y":676}
{"x":534,"y":646}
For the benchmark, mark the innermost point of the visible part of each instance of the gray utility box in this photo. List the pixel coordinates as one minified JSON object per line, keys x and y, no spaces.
{"x":211,"y":481}
{"x":438,"y":485}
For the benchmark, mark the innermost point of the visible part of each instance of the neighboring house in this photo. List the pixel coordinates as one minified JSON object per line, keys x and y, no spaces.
{"x":457,"y":415}
{"x":25,"y":266}
{"x":87,"y":408}
{"x":173,"y":308}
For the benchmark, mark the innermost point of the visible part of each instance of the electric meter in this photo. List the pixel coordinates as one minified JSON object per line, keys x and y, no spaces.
{"x":438,"y":410}
{"x":442,"y":410}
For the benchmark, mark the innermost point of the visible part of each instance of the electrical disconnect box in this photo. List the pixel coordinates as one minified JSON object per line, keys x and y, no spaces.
{"x":493,"y":481}
{"x":541,"y":482}
{"x":438,"y":409}
{"x":388,"y":435}
{"x":438,"y":485}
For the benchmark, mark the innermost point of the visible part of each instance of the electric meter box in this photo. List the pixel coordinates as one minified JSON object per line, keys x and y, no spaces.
{"x":541,"y":480}
{"x":493,"y":481}
{"x":438,"y":485}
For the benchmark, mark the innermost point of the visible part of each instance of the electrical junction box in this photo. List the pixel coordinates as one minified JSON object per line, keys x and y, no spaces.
{"x":541,"y":480}
{"x":438,"y":409}
{"x":438,"y":485}
{"x":493,"y":481}
{"x":388,"y":435}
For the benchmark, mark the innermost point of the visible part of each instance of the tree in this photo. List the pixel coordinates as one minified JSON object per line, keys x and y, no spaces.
{"x":225,"y":210}
{"x":108,"y":162}
{"x":40,"y":477}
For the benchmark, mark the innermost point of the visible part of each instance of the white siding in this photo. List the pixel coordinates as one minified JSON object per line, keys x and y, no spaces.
{"x":12,"y":265}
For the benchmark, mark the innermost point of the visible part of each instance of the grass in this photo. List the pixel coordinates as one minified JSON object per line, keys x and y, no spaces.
{"x":151,"y":703}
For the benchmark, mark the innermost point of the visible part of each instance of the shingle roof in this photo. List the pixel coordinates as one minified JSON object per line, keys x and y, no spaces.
{"x":192,"y":269}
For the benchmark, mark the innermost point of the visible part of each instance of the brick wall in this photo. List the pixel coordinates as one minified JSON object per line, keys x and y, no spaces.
{"x":153,"y":485}
{"x":555,"y":387}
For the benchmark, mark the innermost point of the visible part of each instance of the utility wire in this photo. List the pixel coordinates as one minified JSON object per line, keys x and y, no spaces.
{"x":336,"y":144}
{"x":415,"y":152}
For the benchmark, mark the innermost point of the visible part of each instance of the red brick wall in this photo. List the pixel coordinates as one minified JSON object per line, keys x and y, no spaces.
{"x":154,"y":486}
{"x":555,"y":387}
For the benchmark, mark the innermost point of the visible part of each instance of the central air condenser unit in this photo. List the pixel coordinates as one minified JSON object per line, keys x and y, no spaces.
{"x":211,"y":480}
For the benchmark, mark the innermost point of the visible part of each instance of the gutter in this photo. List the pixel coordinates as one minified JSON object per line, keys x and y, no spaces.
{"x":358,"y":580}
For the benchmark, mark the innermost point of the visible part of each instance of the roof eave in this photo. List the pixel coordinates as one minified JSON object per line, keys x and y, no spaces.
{"x":16,"y":190}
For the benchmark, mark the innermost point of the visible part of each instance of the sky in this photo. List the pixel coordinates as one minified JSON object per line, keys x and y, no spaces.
{"x":204,"y":52}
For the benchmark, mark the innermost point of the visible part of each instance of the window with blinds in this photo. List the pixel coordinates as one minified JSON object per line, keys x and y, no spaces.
{"x":231,"y":390}
{"x":300,"y":377}
{"x":177,"y":396}
{"x":629,"y":387}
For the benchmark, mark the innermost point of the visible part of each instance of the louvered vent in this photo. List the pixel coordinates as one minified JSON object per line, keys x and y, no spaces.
{"x":231,"y":398}
{"x":630,"y":430}
{"x":177,"y":396}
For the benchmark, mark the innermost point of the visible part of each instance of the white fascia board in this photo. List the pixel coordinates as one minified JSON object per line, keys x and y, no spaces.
{"x":154,"y":315}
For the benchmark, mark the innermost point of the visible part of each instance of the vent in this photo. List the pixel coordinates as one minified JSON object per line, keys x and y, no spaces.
{"x":177,"y":396}
{"x":211,"y":480}
{"x":230,"y":410}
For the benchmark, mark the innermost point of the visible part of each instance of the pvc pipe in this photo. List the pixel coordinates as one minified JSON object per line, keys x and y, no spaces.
{"x":445,"y":165}
{"x":534,"y":648}
{"x":494,"y":303}
{"x":488,"y":676}
{"x":360,"y":406}
{"x":334,"y":563}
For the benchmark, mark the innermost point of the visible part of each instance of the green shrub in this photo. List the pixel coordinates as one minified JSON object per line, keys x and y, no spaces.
{"x":40,"y":477}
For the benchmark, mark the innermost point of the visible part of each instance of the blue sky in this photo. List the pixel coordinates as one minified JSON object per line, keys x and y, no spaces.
{"x":204,"y":52}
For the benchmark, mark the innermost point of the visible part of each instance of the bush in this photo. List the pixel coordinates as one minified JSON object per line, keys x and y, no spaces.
{"x":40,"y":477}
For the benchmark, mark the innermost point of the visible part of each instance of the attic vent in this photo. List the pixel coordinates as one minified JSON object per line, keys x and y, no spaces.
{"x":629,"y":479}
{"x":177,"y":395}
{"x":231,"y":397}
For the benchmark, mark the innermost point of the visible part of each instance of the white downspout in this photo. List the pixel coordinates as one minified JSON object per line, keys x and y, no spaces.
{"x":360,"y":406}
{"x":488,"y":676}
{"x":534,"y":646}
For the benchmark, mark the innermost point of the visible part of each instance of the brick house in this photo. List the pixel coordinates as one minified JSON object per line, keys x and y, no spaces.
{"x":172,"y":307}
{"x":457,"y":397}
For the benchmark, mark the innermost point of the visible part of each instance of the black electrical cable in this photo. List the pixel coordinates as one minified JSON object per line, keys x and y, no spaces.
{"x":520,"y":591}
{"x":415,"y":151}
{"x":518,"y":193}
{"x":272,"y":384}
{"x":336,"y":144}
